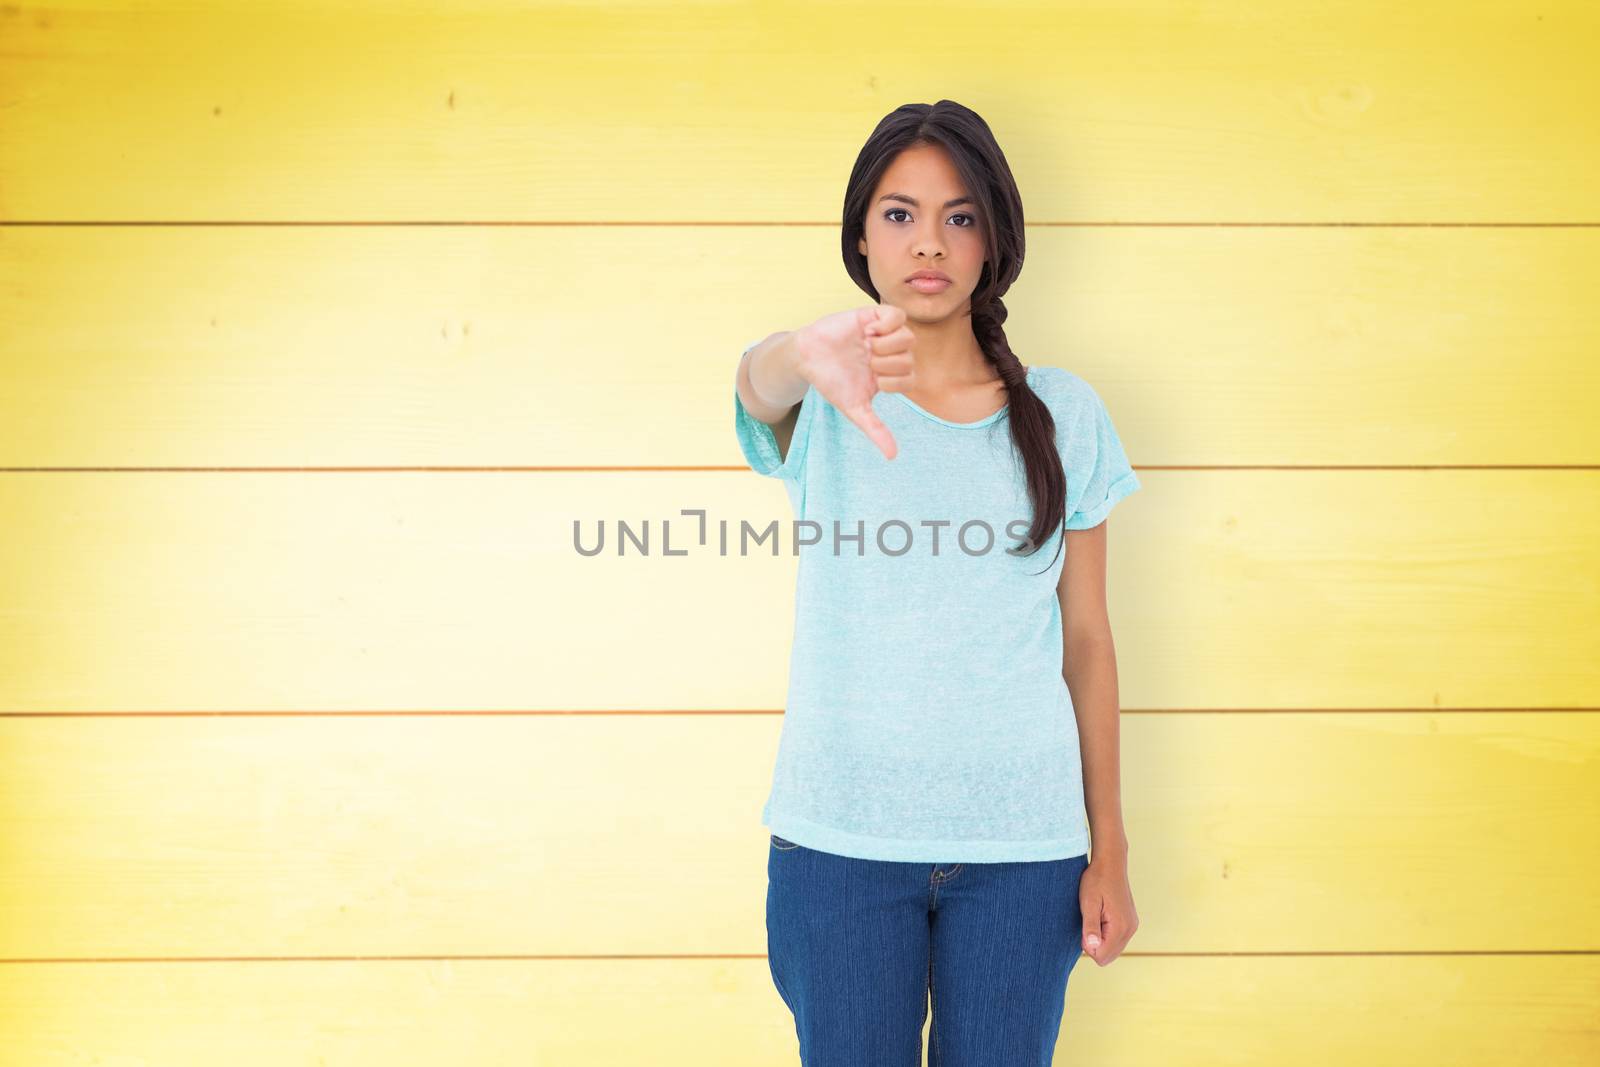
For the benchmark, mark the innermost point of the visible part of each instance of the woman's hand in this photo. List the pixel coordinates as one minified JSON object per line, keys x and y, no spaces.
{"x":1107,"y":902}
{"x":851,"y":356}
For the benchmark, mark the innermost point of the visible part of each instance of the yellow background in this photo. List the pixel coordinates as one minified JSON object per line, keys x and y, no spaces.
{"x":323,"y":322}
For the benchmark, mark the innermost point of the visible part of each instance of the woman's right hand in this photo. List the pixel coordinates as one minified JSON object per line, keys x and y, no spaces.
{"x":851,"y":356}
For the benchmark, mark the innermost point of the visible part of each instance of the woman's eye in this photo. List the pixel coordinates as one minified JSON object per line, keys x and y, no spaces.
{"x":892,"y":212}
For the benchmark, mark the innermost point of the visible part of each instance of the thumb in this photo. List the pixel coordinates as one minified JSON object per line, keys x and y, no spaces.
{"x":867,"y":419}
{"x":1091,"y":929}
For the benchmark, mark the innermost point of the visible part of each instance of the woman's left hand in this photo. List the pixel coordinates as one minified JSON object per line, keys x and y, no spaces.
{"x":1107,"y":902}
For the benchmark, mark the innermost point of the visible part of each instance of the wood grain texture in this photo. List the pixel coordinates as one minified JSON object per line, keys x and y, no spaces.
{"x":685,"y":112}
{"x":470,"y":835}
{"x":1386,"y":1011}
{"x":420,"y":346}
{"x":1228,"y":589}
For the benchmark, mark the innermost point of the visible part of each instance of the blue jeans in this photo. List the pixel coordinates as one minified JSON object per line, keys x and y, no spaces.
{"x":860,"y":948}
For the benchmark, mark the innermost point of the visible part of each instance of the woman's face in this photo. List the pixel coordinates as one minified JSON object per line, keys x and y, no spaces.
{"x":921,"y":218}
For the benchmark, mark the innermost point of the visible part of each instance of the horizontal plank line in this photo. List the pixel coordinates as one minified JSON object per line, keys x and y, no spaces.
{"x":829,"y":224}
{"x":735,"y":468}
{"x":443,"y":712}
{"x":1288,"y":954}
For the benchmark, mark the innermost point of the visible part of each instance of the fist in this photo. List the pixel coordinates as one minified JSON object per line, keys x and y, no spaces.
{"x":851,"y":356}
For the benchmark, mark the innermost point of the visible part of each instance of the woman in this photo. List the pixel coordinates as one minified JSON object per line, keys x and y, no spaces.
{"x":950,"y":738}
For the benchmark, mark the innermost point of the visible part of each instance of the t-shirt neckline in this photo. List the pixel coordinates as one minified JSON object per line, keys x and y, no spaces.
{"x":986,"y":420}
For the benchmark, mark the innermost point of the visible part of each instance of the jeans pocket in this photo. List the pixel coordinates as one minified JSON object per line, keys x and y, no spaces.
{"x":781,"y":845}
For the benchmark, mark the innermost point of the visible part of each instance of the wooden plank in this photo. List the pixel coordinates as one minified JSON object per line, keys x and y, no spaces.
{"x":144,"y":837}
{"x":1227,"y":110}
{"x":298,"y":591}
{"x":1240,"y":1011}
{"x":260,"y":347}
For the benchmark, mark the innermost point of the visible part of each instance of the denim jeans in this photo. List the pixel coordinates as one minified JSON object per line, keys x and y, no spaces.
{"x":859,"y":949}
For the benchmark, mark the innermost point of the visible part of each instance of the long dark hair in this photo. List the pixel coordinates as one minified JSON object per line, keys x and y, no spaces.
{"x":962,"y":133}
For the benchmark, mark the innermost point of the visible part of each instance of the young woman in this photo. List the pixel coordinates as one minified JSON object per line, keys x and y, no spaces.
{"x":950,"y":738}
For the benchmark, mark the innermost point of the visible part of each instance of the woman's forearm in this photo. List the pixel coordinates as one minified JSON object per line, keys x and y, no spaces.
{"x":768,"y":377}
{"x":1090,"y":670}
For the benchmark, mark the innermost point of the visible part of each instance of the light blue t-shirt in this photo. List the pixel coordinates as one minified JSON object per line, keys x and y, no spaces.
{"x":927,"y":716}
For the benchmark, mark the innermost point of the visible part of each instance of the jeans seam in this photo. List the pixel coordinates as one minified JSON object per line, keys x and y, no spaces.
{"x":933,"y":1012}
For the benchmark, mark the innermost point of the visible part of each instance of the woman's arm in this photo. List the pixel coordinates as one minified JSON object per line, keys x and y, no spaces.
{"x":768,"y":378}
{"x":773,"y":364}
{"x":1089,"y":664}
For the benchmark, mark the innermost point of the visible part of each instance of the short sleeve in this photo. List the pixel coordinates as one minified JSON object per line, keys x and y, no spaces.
{"x":760,"y":444}
{"x":1098,"y":471}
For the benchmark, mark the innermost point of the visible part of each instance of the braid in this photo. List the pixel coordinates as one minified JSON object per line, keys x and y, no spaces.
{"x":1033,"y":428}
{"x":988,"y":326}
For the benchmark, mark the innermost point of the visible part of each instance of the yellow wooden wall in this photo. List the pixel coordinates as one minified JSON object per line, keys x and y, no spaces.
{"x":323,"y":321}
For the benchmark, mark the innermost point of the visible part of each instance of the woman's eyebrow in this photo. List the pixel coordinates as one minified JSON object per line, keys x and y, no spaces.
{"x":913,"y":200}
